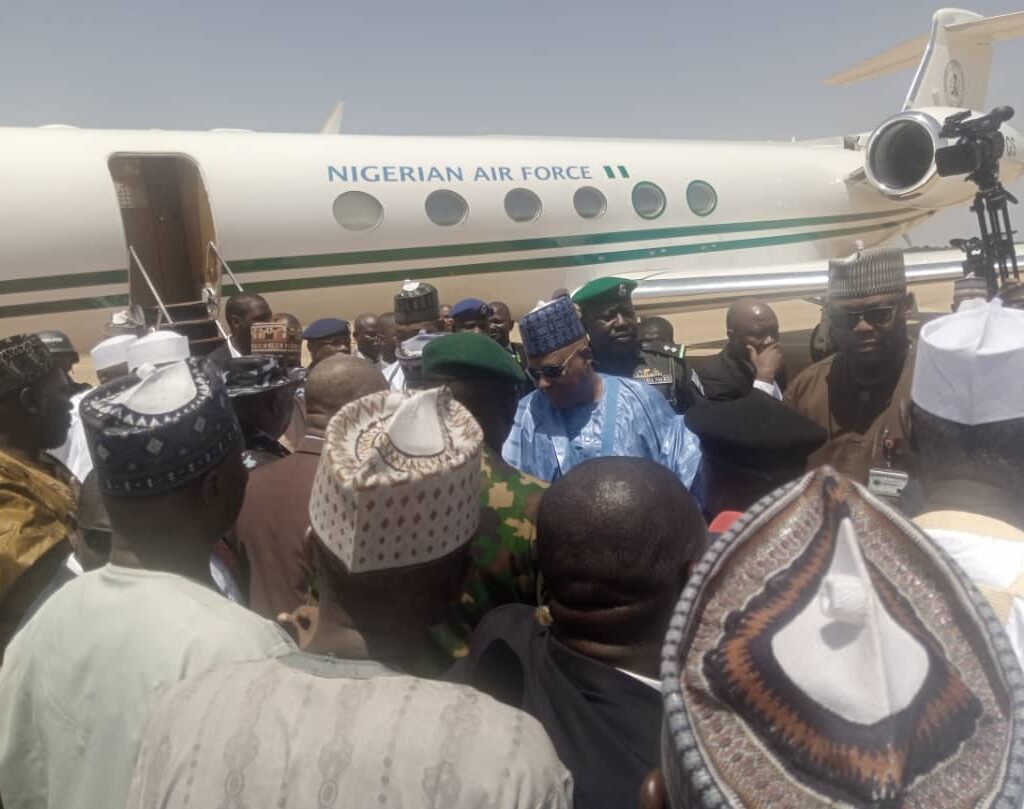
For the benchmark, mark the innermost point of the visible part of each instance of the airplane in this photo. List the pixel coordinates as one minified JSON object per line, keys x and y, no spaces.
{"x":332,"y":224}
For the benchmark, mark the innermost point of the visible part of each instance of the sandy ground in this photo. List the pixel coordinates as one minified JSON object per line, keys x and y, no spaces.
{"x":704,"y":332}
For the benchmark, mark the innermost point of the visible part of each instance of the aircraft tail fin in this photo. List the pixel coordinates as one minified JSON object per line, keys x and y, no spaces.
{"x":953,"y":61}
{"x":332,"y":124}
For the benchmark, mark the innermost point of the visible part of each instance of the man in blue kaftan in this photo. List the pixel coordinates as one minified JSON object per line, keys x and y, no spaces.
{"x":577,"y":413}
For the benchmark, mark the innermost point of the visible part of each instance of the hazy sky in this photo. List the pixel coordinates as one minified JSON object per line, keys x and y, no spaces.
{"x":638,"y":68}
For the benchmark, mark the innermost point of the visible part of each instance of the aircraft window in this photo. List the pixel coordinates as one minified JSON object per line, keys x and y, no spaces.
{"x":446,"y":208}
{"x":357,"y":210}
{"x":648,"y":200}
{"x":701,"y":197}
{"x":522,"y":205}
{"x":589,"y":202}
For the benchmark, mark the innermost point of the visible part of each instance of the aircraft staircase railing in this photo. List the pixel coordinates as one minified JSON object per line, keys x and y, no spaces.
{"x":212,"y":250}
{"x":192,"y":319}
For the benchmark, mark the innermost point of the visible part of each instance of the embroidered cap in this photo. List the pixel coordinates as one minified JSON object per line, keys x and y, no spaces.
{"x":826,"y":653}
{"x":399,"y":480}
{"x":416,"y":302}
{"x":970,"y":365}
{"x":150,"y":434}
{"x":551,"y":326}
{"x":877,"y":271}
{"x":24,"y":360}
{"x":276,"y":339}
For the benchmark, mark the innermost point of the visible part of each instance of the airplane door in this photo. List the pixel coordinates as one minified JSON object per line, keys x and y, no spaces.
{"x":167,"y":220}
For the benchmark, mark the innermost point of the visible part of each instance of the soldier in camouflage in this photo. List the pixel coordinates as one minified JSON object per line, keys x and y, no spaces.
{"x":607,"y":310}
{"x":486,"y":380}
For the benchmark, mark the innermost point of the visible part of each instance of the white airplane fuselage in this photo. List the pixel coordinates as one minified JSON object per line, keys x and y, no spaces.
{"x":272,"y":197}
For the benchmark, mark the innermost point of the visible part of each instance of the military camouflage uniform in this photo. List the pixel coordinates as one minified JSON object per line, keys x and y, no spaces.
{"x":503,"y":568}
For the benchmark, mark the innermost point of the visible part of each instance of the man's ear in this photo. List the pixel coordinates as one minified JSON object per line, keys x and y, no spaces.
{"x":28,"y":400}
{"x":212,"y":486}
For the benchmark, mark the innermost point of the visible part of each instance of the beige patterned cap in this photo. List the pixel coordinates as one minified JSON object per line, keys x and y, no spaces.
{"x":876,"y":271}
{"x":399,"y":480}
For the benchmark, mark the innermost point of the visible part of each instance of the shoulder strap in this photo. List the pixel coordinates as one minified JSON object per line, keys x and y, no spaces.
{"x":610,"y":413}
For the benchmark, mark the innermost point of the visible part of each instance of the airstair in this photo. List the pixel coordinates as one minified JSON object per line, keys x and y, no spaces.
{"x":197,"y":320}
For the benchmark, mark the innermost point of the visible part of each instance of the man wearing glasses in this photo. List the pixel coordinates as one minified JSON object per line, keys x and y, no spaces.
{"x":577,"y":413}
{"x":856,"y":394}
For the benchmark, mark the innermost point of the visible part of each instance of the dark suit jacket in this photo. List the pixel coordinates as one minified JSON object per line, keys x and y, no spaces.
{"x":604,"y":724}
{"x":725,"y":377}
{"x":272,"y":530}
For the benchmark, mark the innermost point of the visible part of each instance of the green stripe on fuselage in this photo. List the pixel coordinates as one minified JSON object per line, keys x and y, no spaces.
{"x":507,"y":265}
{"x":549,"y":263}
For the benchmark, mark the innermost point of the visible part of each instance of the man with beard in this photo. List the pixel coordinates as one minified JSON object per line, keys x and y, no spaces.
{"x":607,"y":311}
{"x":857,"y":393}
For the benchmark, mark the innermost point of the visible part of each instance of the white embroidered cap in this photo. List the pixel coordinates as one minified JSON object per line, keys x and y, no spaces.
{"x":970,"y":365}
{"x":399,"y":480}
{"x":158,"y":348}
{"x":112,"y":352}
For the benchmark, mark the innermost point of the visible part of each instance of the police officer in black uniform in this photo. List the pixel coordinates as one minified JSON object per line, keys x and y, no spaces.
{"x":610,"y":319}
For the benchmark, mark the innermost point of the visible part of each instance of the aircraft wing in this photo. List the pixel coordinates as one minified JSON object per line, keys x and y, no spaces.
{"x":692,"y":290}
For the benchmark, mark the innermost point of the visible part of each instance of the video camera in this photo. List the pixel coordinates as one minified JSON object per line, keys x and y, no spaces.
{"x":979,"y":146}
{"x":977,"y":152}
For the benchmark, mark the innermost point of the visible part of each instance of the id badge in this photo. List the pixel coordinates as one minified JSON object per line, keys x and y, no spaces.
{"x":887,"y":482}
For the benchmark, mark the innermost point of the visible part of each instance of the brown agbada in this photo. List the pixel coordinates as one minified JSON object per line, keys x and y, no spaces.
{"x":856,"y":417}
{"x":35,"y":517}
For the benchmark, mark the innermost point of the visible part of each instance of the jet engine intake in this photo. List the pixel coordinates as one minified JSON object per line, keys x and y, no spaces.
{"x":900,"y":154}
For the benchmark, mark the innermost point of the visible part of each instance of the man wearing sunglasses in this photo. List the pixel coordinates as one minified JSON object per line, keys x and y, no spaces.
{"x":606,"y":307}
{"x":577,"y":413}
{"x":856,"y":394}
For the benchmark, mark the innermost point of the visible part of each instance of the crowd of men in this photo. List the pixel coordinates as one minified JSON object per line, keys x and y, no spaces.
{"x":435,"y":567}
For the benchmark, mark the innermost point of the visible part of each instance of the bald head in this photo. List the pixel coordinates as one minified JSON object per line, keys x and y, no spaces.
{"x":750,"y":322}
{"x":615,"y":541}
{"x":656,"y":329}
{"x":336,"y":381}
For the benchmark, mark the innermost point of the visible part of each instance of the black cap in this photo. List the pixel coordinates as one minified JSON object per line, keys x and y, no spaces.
{"x":416,"y":302}
{"x":58,"y":343}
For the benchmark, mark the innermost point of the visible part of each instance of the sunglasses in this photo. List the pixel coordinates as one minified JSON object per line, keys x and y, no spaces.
{"x":875,"y":316}
{"x":553,"y":371}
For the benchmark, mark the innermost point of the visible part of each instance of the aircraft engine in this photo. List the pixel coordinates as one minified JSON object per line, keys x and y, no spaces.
{"x":900,"y":154}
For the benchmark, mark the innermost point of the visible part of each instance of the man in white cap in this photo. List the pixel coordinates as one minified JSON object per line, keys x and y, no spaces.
{"x":81,"y":677}
{"x":967,"y":425}
{"x":109,"y":361}
{"x":825,"y":653}
{"x":394,"y":506}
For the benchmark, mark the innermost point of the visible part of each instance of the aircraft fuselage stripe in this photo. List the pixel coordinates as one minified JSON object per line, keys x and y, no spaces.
{"x":479,"y":268}
{"x":119,"y":276}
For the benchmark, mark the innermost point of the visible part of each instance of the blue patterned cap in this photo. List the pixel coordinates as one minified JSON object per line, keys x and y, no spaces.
{"x":149,"y":435}
{"x":550,"y":327}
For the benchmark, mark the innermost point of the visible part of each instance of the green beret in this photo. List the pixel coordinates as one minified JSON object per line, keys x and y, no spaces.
{"x":603,"y":291}
{"x":468,"y":355}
